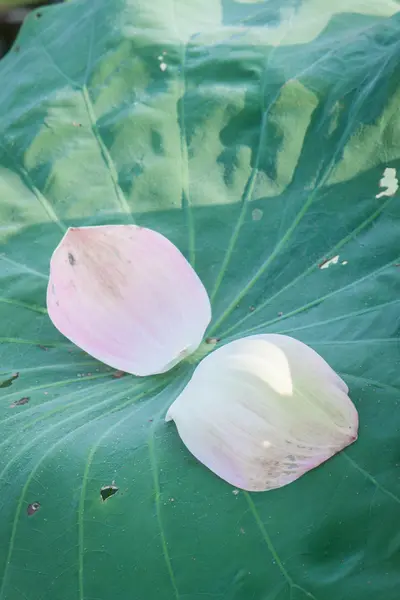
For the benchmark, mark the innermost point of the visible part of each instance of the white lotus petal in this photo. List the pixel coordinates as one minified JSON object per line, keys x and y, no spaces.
{"x":128,"y":297}
{"x":263,"y":410}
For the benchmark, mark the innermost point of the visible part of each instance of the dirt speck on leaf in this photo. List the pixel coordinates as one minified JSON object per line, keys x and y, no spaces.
{"x":7,"y":382}
{"x":118,"y":374}
{"x":213,"y":340}
{"x":20,"y":402}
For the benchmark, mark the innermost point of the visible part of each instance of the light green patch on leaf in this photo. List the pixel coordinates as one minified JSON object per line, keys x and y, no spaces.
{"x":372,"y":143}
{"x":289,"y":119}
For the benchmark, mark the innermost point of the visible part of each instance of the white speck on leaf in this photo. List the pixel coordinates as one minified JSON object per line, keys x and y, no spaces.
{"x":163,"y":66}
{"x":390,"y":182}
{"x":345,"y":262}
{"x":257,"y":214}
{"x":329,"y":262}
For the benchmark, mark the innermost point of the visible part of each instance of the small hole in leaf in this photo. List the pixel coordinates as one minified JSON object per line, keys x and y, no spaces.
{"x":108,"y":490}
{"x":7,"y":382}
{"x":33,"y":508}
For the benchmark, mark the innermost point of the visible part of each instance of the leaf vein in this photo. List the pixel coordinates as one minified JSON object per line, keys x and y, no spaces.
{"x":265,"y":535}
{"x":314,"y":266}
{"x":157,"y":499}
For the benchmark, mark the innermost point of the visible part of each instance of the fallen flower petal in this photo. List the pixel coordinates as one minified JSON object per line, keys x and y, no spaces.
{"x":128,"y":297}
{"x":263,"y":410}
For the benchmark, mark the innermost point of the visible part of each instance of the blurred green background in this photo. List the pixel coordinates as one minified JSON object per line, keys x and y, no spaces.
{"x":12,"y":14}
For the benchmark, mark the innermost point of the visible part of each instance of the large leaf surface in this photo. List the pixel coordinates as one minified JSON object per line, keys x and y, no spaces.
{"x":254,"y":136}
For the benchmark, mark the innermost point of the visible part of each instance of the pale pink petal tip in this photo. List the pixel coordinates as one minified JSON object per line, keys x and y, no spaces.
{"x":263,"y":410}
{"x":127,"y":296}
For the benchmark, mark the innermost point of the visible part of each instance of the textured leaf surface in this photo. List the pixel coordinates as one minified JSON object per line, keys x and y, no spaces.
{"x":254,"y":135}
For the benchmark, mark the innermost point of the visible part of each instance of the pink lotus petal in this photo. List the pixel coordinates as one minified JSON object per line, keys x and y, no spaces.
{"x":128,"y":297}
{"x":263,"y":410}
